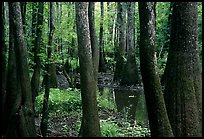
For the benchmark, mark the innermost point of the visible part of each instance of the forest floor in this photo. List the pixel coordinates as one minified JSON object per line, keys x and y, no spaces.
{"x":67,"y":124}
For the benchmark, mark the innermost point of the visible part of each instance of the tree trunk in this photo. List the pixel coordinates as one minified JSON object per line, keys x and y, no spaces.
{"x":34,"y":23}
{"x":23,"y":14}
{"x":101,"y":43}
{"x":20,"y":115}
{"x":59,"y":23}
{"x":90,"y":126}
{"x":110,"y":24}
{"x":3,"y":64}
{"x":11,"y":87}
{"x":94,"y":41}
{"x":130,"y":75}
{"x":35,"y":81}
{"x":183,"y":88}
{"x":120,"y":50}
{"x":167,"y":43}
{"x":158,"y":119}
{"x":33,"y":30}
{"x":114,"y":37}
{"x":45,"y":114}
{"x":53,"y":74}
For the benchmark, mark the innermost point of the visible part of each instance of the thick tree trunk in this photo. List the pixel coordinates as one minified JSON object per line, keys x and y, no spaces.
{"x":12,"y":91}
{"x":121,"y":48}
{"x":130,"y":74}
{"x":3,"y":64}
{"x":90,"y":126}
{"x":158,"y":119}
{"x":183,"y":88}
{"x":35,"y":81}
{"x":45,"y":114}
{"x":20,"y":115}
{"x":94,"y":41}
{"x":23,"y":14}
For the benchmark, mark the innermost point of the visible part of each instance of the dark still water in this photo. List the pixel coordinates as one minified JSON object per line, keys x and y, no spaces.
{"x":130,"y":105}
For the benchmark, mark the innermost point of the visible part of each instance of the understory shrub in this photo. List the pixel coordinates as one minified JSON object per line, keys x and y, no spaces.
{"x":60,"y":101}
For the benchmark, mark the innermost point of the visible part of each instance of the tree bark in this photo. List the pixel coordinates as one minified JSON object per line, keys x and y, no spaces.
{"x":130,"y":75}
{"x":34,"y":23}
{"x":20,"y":115}
{"x":3,"y":64}
{"x":53,"y":74}
{"x":183,"y":89}
{"x":23,"y":14}
{"x":94,"y":41}
{"x":35,"y":80}
{"x":45,"y":114}
{"x":101,"y":42}
{"x":158,"y":119}
{"x":121,"y":48}
{"x":90,"y":126}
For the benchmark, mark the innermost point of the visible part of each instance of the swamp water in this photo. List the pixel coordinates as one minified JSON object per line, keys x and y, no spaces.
{"x":130,"y":105}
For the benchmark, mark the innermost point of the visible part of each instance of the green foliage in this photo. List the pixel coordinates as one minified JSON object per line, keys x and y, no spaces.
{"x":110,"y":128}
{"x":110,"y":62}
{"x":60,"y":101}
{"x":162,"y":14}
{"x":162,"y":34}
{"x":74,"y":63}
{"x":68,"y":102}
{"x":135,"y":131}
{"x":162,"y":64}
{"x":104,"y":102}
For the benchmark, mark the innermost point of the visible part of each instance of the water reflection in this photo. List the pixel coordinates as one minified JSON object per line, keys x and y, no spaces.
{"x":126,"y":103}
{"x":130,"y":105}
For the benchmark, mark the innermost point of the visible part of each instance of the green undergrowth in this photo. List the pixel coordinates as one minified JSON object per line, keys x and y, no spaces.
{"x":60,"y":101}
{"x":111,"y":128}
{"x":65,"y":112}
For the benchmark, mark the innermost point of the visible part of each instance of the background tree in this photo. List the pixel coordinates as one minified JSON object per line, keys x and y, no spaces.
{"x":163,"y":36}
{"x":53,"y":73}
{"x":59,"y":24}
{"x":3,"y":63}
{"x":121,"y":48}
{"x":158,"y":119}
{"x":183,"y":88}
{"x":90,"y":126}
{"x":45,"y":114}
{"x":35,"y":80}
{"x":34,"y":24}
{"x":102,"y":67}
{"x":111,"y":19}
{"x":130,"y":75}
{"x":94,"y":40}
{"x":19,"y":114}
